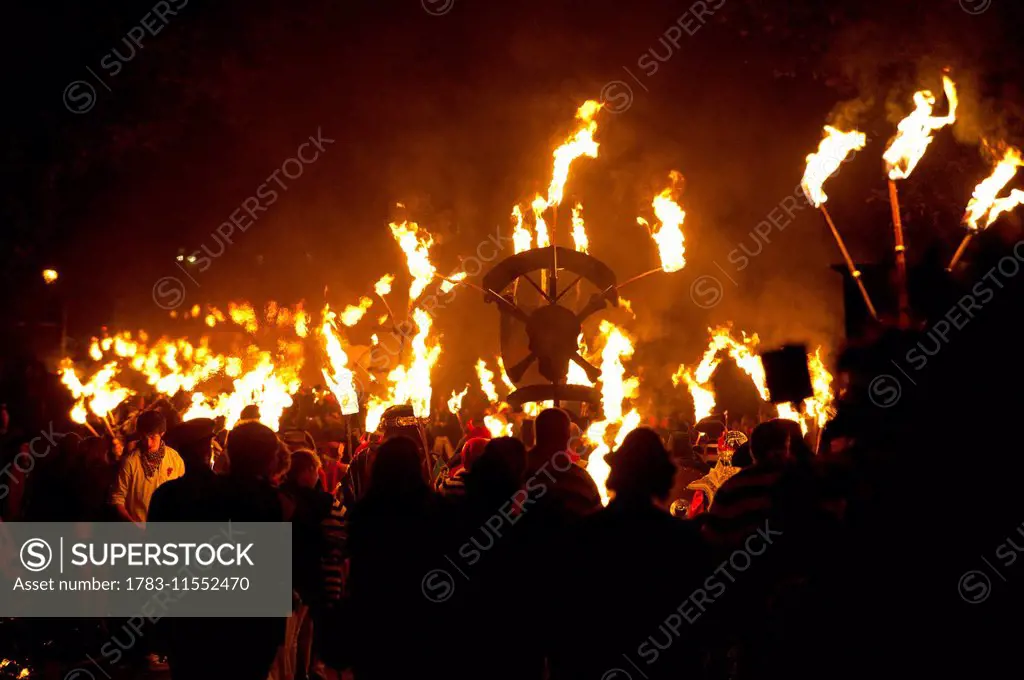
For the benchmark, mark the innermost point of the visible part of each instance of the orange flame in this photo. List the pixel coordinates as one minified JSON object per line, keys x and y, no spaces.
{"x":580,"y":144}
{"x":353,"y":314}
{"x":455,"y":402}
{"x":415,"y":243}
{"x":914,"y":133}
{"x":669,"y":236}
{"x":522,"y":239}
{"x":579,"y":230}
{"x":615,"y":390}
{"x":486,"y":378}
{"x":539,"y":205}
{"x":339,"y":379}
{"x":832,"y":152}
{"x":383,"y":285}
{"x":984,"y":206}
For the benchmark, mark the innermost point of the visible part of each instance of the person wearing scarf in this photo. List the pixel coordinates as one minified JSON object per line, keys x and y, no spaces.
{"x":147,"y":464}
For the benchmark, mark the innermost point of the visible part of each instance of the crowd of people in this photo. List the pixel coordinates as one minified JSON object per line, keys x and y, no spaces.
{"x":835,"y":558}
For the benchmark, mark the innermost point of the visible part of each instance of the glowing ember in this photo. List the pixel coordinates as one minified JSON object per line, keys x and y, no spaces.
{"x":455,"y":402}
{"x":984,"y":206}
{"x":669,"y":236}
{"x":353,"y":314}
{"x":579,"y":230}
{"x":522,"y":239}
{"x":915,"y":131}
{"x":415,"y":243}
{"x":832,"y":152}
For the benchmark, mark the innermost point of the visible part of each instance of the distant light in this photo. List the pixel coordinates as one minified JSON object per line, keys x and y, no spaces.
{"x":181,"y":258}
{"x":191,"y":258}
{"x":49,"y":275}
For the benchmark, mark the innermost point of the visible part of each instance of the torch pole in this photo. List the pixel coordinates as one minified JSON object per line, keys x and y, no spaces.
{"x":960,"y":251}
{"x":91,"y":429}
{"x":109,"y":429}
{"x":553,"y":285}
{"x":901,"y":257}
{"x":636,"y":278}
{"x":854,"y":272}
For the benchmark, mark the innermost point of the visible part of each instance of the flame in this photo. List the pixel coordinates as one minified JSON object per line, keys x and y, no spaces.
{"x":486,"y":377}
{"x":50,"y":275}
{"x":418,"y":386}
{"x":509,"y":385}
{"x":375,"y":408}
{"x":615,"y":390}
{"x":627,"y":305}
{"x":95,"y":353}
{"x":914,"y":133}
{"x":698,"y":382}
{"x":539,"y":205}
{"x":301,"y":322}
{"x":101,"y":394}
{"x":832,"y":152}
{"x":522,"y":239}
{"x":579,"y":230}
{"x":701,"y":393}
{"x":497,"y":426}
{"x":580,"y":144}
{"x":669,"y":236}
{"x":451,"y":281}
{"x":339,"y":379}
{"x":383,"y":285}
{"x":455,"y":402}
{"x":984,"y":206}
{"x":353,"y":314}
{"x":415,"y":243}
{"x":576,"y":374}
{"x":243,"y":315}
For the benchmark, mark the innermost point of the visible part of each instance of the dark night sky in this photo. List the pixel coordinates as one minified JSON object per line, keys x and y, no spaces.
{"x":455,"y":116}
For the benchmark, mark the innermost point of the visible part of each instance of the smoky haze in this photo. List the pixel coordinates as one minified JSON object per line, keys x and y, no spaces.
{"x":455,"y":116}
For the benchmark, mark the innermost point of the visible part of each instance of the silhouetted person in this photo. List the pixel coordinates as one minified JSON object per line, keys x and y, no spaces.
{"x":497,"y":611}
{"x":239,"y":648}
{"x":397,"y":421}
{"x":51,"y":483}
{"x":394,"y":541}
{"x":626,"y":575}
{"x":571,"y":492}
{"x":92,"y":474}
{"x":186,"y":499}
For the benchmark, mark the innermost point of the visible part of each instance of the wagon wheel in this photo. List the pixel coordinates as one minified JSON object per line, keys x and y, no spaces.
{"x":551,"y":327}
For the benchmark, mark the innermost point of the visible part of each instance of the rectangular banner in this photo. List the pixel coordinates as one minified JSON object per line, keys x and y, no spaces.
{"x":166,"y":569}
